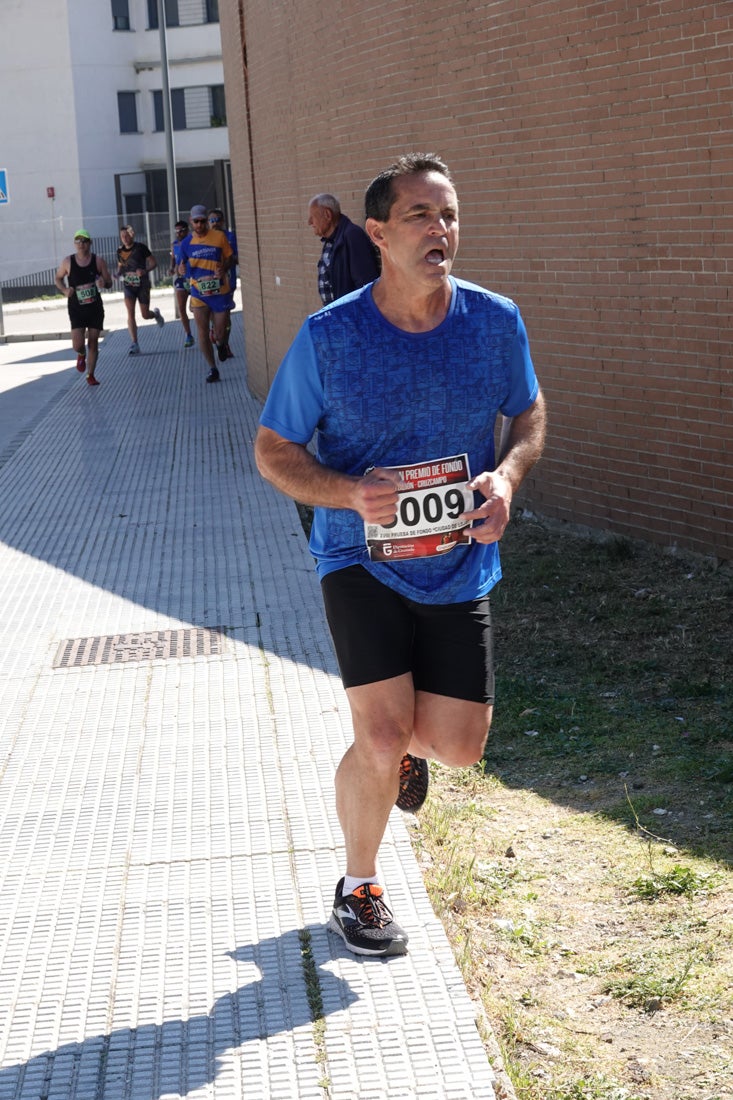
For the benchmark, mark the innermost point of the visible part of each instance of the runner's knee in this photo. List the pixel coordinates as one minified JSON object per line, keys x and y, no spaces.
{"x":382,"y":742}
{"x":456,"y":746}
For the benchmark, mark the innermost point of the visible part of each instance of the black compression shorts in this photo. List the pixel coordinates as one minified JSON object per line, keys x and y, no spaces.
{"x":89,"y":316}
{"x":378,"y":634}
{"x":139,"y":293}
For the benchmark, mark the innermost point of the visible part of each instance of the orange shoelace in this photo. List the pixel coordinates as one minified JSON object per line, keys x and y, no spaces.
{"x":372,"y":909}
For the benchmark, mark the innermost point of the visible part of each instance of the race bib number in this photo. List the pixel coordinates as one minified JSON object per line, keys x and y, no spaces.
{"x":208,"y":286}
{"x":429,"y":523}
{"x":131,"y":279}
{"x":86,"y":294}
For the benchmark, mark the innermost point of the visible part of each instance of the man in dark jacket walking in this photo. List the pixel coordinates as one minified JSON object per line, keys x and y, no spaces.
{"x":348,"y":260}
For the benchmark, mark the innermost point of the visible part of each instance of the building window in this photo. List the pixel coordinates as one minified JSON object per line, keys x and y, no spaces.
{"x":184,"y":13}
{"x":127,"y":110}
{"x":218,"y":106}
{"x":171,"y":14}
{"x":178,"y":109}
{"x":121,"y":15}
{"x":193,"y":108}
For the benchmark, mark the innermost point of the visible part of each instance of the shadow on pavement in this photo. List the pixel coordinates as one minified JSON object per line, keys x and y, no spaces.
{"x":181,"y":1055}
{"x":150,"y":478}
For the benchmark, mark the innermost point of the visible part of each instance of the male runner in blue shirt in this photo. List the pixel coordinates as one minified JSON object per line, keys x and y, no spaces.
{"x":402,"y":383}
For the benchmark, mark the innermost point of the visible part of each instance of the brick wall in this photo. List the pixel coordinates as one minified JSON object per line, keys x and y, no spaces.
{"x":592,"y":151}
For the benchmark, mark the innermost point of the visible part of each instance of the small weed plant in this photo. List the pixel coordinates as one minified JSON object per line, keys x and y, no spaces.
{"x":650,"y":984}
{"x":678,"y":880}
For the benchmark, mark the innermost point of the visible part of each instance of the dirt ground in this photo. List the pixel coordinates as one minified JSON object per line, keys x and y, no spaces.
{"x":555,"y":923}
{"x":584,"y":873}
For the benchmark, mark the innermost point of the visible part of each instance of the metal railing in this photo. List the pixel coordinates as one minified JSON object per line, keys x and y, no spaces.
{"x":42,"y":282}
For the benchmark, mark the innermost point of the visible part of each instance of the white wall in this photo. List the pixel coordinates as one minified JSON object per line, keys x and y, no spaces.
{"x":60,"y":125}
{"x":38,"y":127}
{"x":102,"y":64}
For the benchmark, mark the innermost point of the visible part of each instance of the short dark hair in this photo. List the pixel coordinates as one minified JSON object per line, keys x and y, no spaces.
{"x":380,"y":193}
{"x":181,"y":225}
{"x":218,"y":211}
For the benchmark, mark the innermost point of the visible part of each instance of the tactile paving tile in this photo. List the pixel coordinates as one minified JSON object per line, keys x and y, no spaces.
{"x":167,"y":828}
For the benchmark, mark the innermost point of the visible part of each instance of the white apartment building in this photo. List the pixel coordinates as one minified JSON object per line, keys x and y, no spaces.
{"x":81,"y":122}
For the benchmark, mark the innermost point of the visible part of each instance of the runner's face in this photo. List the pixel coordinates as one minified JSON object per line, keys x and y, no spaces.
{"x":200,"y":226}
{"x":127,"y":237}
{"x":420,"y":238}
{"x":82,"y":245}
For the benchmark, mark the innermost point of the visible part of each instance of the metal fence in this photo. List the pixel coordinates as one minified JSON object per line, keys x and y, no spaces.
{"x":150,"y":227}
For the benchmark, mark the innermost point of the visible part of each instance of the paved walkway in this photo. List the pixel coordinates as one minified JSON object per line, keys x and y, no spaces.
{"x":170,"y":722}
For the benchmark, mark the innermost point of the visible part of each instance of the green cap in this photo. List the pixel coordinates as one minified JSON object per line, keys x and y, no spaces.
{"x":82,"y":233}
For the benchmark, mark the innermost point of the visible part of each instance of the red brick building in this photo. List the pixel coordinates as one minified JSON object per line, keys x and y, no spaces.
{"x":592,"y":149}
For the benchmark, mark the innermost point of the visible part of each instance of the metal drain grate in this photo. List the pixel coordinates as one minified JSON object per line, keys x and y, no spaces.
{"x":146,"y":645}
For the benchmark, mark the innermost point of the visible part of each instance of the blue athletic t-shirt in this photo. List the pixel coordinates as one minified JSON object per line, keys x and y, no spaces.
{"x":375,"y":395}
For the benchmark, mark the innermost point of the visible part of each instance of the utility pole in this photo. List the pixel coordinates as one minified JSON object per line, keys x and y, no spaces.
{"x":168,"y":125}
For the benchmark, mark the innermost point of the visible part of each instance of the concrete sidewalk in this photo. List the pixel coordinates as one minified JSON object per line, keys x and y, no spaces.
{"x":170,"y":722}
{"x":48,"y":319}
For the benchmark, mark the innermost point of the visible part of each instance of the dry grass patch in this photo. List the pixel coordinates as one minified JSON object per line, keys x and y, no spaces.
{"x":584,"y":872}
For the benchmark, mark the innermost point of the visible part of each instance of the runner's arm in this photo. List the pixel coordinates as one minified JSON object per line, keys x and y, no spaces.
{"x":292,"y":469}
{"x":227,"y":258}
{"x":525,"y":441}
{"x":61,"y":273}
{"x":104,"y":274}
{"x":522,"y":442}
{"x":182,"y":267}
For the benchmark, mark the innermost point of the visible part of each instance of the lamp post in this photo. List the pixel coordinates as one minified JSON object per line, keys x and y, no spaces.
{"x":170,"y":162}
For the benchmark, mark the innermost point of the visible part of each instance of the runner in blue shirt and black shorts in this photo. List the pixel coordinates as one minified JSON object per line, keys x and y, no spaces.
{"x":400,"y":386}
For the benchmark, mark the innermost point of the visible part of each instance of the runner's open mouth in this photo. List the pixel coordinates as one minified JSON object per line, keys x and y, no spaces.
{"x":435,"y":256}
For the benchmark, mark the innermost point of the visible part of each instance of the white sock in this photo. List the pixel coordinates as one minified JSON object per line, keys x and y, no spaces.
{"x":351,"y":883}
